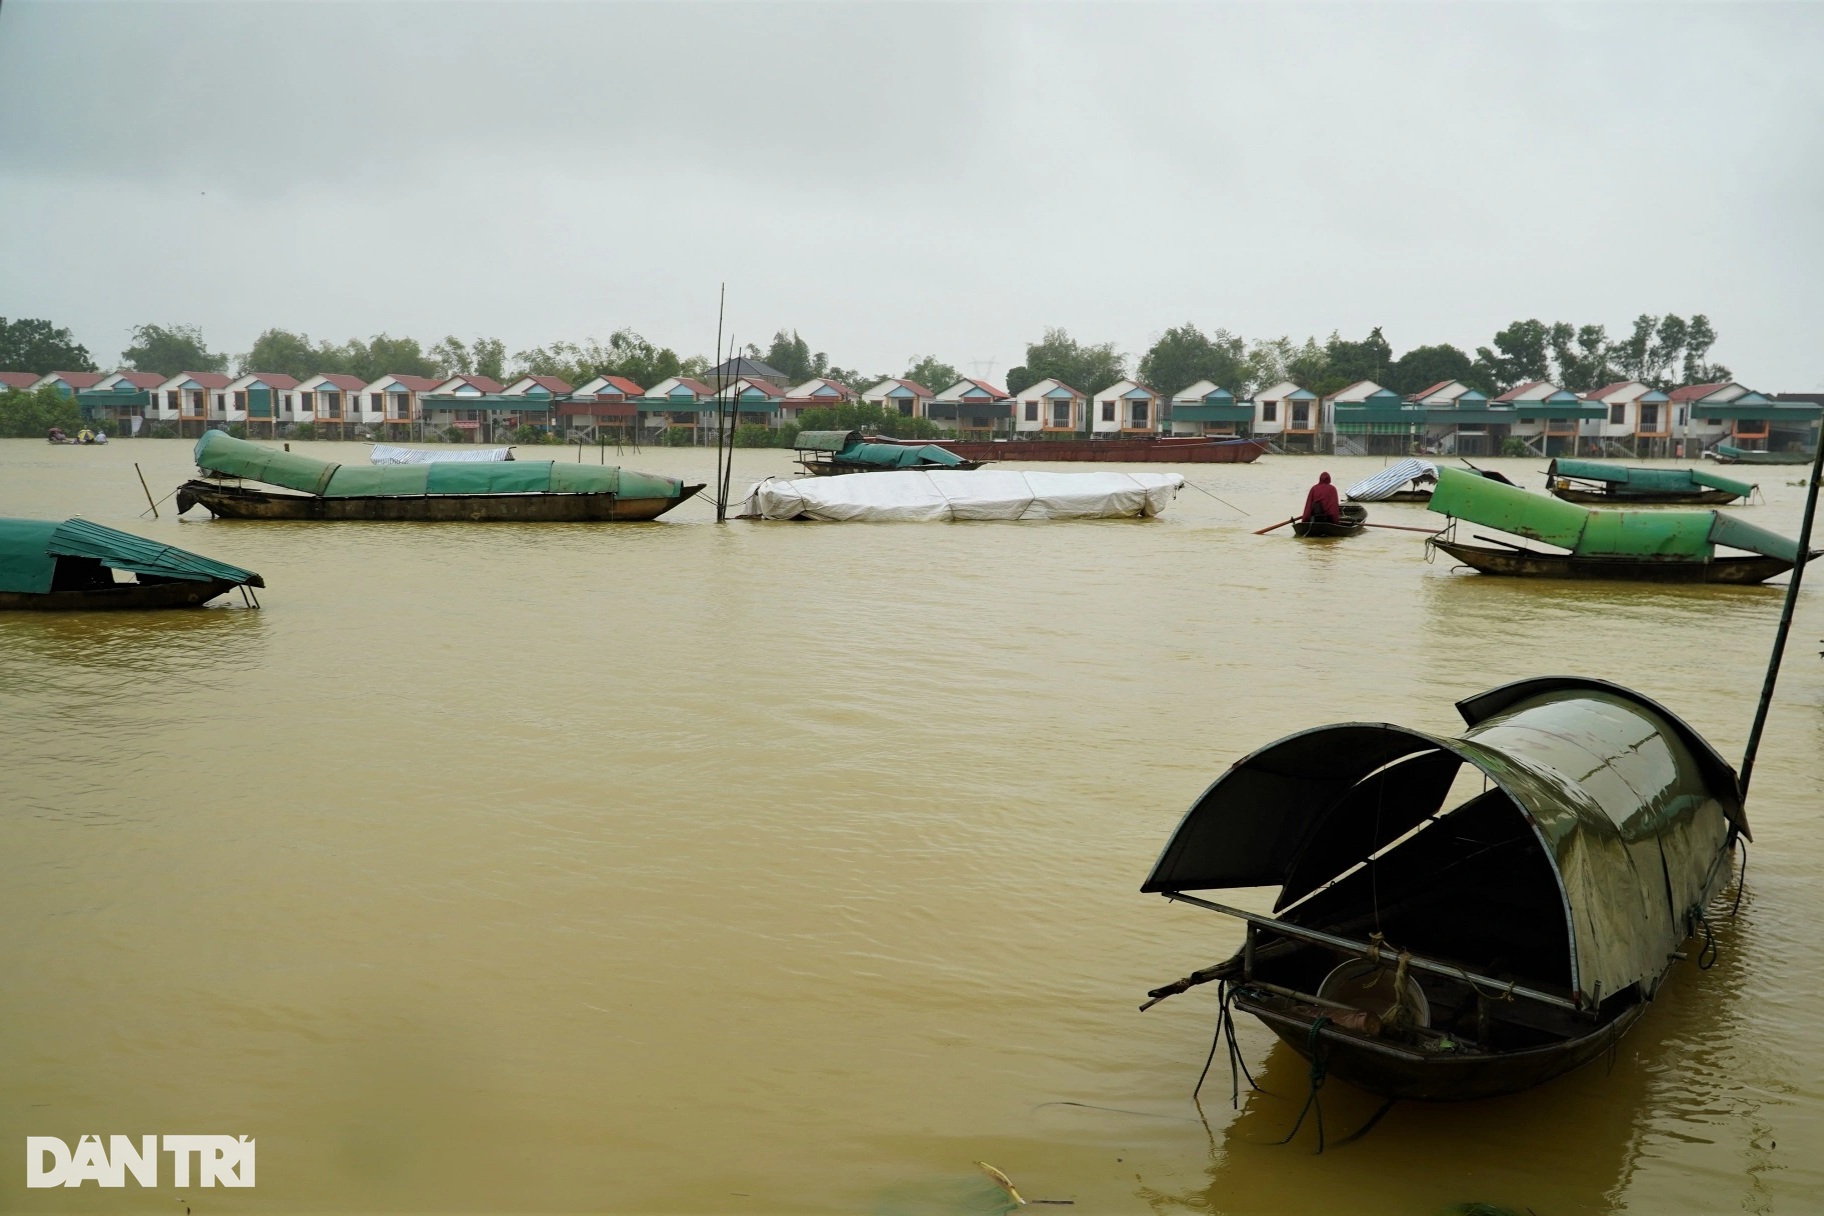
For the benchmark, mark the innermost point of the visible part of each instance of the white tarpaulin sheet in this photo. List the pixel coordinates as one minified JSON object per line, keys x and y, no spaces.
{"x":952,"y":494}
{"x":383,"y":454}
{"x":1391,"y":480}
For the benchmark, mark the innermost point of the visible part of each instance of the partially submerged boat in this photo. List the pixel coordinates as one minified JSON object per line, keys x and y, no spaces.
{"x":1724,"y":453}
{"x":1657,"y":546}
{"x":955,"y":494}
{"x":520,"y":491}
{"x":1409,"y":480}
{"x":831,"y":453}
{"x":1597,"y":483}
{"x":49,"y":566}
{"x":386,"y":453}
{"x":1463,"y":916}
{"x":1353,"y":520}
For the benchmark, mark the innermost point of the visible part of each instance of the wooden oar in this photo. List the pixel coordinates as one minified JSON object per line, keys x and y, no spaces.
{"x":1405,"y":528}
{"x":1276,"y":527}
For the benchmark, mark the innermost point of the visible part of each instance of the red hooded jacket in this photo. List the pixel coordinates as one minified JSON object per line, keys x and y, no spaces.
{"x":1321,"y":502}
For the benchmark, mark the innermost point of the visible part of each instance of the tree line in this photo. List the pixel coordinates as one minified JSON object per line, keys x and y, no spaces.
{"x":1662,"y":351}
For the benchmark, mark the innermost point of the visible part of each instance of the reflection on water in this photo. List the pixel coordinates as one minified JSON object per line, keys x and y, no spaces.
{"x":783,"y":868}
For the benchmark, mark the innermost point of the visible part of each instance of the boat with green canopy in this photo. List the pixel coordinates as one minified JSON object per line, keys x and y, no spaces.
{"x":1464,"y":915}
{"x":829,"y":453}
{"x":1658,"y":546}
{"x":1724,"y":453}
{"x":1597,"y":483}
{"x":49,"y":566}
{"x":519,"y":491}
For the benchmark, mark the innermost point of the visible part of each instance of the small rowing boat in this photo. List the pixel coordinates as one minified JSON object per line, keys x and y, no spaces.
{"x":46,"y":566}
{"x":1724,"y":453}
{"x":1354,"y":519}
{"x":1596,"y":483}
{"x":518,"y":491}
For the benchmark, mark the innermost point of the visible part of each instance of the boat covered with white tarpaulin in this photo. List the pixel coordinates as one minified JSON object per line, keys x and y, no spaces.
{"x":920,"y":495}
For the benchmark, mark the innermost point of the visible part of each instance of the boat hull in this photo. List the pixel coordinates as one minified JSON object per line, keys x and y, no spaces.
{"x":1597,"y":498}
{"x":1113,"y":451}
{"x":239,"y":502}
{"x":832,"y":468}
{"x":1749,"y":456}
{"x":1527,"y":563}
{"x":1354,"y":520}
{"x":1394,"y":1071}
{"x":122,"y":597}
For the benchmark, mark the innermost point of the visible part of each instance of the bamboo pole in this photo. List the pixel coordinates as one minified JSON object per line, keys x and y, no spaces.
{"x":1792,"y":600}
{"x":147,"y":489}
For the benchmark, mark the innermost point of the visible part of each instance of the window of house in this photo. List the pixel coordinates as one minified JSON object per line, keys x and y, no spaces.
{"x":332,"y":404}
{"x":1526,"y":422}
{"x":1649,"y":417}
{"x":373,"y":402}
{"x":905,"y":409}
{"x":218,"y":401}
{"x":1681,"y":415}
{"x":1713,"y":422}
{"x":1301,"y":416}
{"x":1140,"y":411}
{"x":1618,"y":414}
{"x":1269,"y":411}
{"x":240,"y":401}
{"x":1032,"y":411}
{"x":1108,"y":411}
{"x":1060,"y":413}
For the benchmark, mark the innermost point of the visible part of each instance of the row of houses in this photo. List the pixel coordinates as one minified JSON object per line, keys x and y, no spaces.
{"x":1623,"y":418}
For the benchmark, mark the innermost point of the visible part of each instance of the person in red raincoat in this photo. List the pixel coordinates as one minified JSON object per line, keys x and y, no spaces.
{"x":1321,"y":503}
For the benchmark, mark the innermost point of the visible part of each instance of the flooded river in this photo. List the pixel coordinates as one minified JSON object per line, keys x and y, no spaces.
{"x":795,"y":867}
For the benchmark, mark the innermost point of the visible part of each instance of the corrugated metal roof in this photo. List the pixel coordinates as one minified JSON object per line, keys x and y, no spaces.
{"x":124,"y":551}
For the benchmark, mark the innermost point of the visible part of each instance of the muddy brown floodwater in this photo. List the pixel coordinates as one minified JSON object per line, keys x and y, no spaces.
{"x":795,"y":867}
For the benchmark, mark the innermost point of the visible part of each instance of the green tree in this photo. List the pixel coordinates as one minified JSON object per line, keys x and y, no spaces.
{"x":289,"y":354}
{"x":170,"y":349}
{"x":1184,"y":355}
{"x":1520,"y":354}
{"x":1347,"y":362}
{"x":868,"y":418}
{"x":792,"y":355}
{"x":1307,"y":365}
{"x":1088,"y":368}
{"x":385,"y":356}
{"x":1699,"y":338}
{"x":32,"y":344}
{"x":490,"y":357}
{"x":30,"y":415}
{"x":1652,"y":352}
{"x":1423,"y":366}
{"x":451,"y":357}
{"x":1581,"y":356}
{"x":931,"y":373}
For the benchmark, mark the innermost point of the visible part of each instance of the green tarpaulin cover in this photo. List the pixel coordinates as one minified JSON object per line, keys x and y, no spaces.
{"x":899,"y":456}
{"x":1626,"y":479}
{"x":220,"y":452}
{"x":1687,"y":535}
{"x":825,"y":441}
{"x":29,"y":549}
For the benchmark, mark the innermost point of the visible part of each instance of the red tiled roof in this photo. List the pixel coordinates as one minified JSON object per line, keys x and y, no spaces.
{"x":765,"y":386}
{"x":142,"y":379}
{"x":205,"y":379}
{"x":696,"y":386}
{"x":550,"y":382}
{"x":18,"y":379}
{"x":1696,"y":392}
{"x":1597,"y":394}
{"x":1514,"y":392}
{"x":1075,"y":391}
{"x":276,"y":379}
{"x":480,"y":383}
{"x":1001,"y":392}
{"x":348,"y":384}
{"x":413,"y":384}
{"x":1439,"y":387}
{"x":79,"y":380}
{"x":624,"y":386}
{"x":918,"y":390}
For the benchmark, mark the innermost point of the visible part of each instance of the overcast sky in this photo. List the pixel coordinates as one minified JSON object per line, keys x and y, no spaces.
{"x":898,"y":180}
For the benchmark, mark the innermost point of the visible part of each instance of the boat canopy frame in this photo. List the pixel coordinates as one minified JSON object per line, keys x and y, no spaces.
{"x":1619,"y":793}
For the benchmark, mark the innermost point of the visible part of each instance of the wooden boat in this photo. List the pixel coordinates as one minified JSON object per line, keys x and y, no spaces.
{"x":1599,"y":484}
{"x":1353,"y":521}
{"x":46,"y":566}
{"x":1190,"y":449}
{"x":1667,"y":546}
{"x":1441,"y":949}
{"x":520,"y":491}
{"x":1532,"y":563}
{"x":1409,"y":480}
{"x":831,"y":453}
{"x":1724,"y":453}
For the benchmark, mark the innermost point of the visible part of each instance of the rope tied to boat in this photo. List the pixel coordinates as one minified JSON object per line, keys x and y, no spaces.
{"x":1319,"y":1073}
{"x":1225,"y":1029}
{"x":1706,"y":954}
{"x":1741,"y":880}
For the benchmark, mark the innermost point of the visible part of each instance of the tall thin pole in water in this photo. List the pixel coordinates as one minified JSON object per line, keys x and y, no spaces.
{"x":1792,"y":599}
{"x":721,"y":375}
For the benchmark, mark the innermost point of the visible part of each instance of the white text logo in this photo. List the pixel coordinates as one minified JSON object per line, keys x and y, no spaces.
{"x":220,"y":1160}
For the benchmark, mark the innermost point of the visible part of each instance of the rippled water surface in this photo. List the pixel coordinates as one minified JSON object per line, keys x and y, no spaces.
{"x":793,"y":867}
